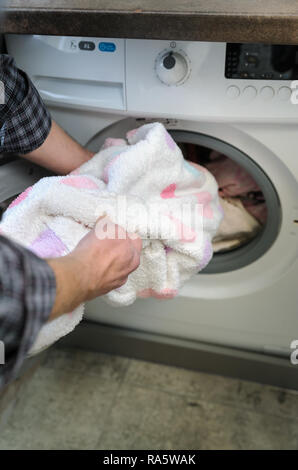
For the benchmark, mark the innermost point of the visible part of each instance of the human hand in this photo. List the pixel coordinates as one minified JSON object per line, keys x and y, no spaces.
{"x":95,"y":267}
{"x":106,"y":263}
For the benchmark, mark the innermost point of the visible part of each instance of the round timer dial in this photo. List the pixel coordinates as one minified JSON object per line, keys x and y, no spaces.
{"x":172,"y":67}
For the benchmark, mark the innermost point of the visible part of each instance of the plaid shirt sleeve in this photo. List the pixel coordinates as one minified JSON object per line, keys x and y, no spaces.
{"x":27,"y":283}
{"x":27,"y":295}
{"x":24,"y":120}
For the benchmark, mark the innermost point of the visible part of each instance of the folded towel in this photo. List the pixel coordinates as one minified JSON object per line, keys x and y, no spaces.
{"x":149,"y":170}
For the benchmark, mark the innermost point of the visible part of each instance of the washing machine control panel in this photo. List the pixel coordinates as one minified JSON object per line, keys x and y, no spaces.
{"x":189,"y":80}
{"x":170,"y":79}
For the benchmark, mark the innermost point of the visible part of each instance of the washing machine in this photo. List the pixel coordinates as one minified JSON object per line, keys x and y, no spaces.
{"x":236,"y":99}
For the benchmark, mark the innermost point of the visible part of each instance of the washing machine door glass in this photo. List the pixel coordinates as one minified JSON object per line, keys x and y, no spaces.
{"x":252,"y":249}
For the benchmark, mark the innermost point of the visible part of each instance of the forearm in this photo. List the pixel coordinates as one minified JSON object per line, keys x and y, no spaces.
{"x":70,"y":290}
{"x":59,"y":152}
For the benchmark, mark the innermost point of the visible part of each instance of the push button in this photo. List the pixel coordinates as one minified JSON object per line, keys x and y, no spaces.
{"x":284,"y":93}
{"x":233,"y":92}
{"x":86,"y":45}
{"x":249,"y":93}
{"x":267,"y":93}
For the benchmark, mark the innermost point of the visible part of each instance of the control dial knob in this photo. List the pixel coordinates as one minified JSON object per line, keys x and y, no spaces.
{"x":172,"y":68}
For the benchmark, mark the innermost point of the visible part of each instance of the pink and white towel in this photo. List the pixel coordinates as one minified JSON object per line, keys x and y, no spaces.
{"x":147,"y":171}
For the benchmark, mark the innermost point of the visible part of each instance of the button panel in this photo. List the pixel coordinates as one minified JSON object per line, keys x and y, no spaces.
{"x":248,"y":93}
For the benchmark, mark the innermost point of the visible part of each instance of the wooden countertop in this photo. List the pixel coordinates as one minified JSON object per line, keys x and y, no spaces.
{"x":270,"y":21}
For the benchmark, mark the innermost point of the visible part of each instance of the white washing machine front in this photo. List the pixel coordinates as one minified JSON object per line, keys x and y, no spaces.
{"x":247,"y":299}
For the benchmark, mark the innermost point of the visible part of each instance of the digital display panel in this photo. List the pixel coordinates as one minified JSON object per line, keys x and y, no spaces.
{"x":261,"y":62}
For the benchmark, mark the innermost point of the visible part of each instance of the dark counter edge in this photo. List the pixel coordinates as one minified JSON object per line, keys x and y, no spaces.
{"x":165,"y":26}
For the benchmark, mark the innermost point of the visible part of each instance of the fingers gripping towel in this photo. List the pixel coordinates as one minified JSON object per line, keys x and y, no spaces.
{"x":135,"y":183}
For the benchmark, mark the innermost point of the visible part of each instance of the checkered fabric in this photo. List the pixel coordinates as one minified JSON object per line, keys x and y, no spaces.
{"x":24,"y":120}
{"x":27,"y":295}
{"x":27,"y":283}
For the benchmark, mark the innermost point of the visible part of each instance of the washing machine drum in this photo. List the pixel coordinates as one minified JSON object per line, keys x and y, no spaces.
{"x":17,"y":174}
{"x":253,"y":248}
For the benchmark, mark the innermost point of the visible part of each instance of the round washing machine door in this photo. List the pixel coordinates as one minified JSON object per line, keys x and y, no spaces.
{"x":249,"y":251}
{"x":246,"y":297}
{"x":16,"y":175}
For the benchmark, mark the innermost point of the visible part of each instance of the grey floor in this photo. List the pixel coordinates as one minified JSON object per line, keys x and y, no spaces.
{"x":85,"y":400}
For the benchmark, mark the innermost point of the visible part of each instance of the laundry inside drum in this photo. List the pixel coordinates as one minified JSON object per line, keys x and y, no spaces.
{"x":251,"y":208}
{"x":242,"y":200}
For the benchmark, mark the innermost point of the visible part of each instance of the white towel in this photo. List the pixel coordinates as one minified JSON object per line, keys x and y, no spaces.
{"x":149,"y":170}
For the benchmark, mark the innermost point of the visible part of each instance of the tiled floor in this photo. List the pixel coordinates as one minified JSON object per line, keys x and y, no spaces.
{"x":85,"y":400}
